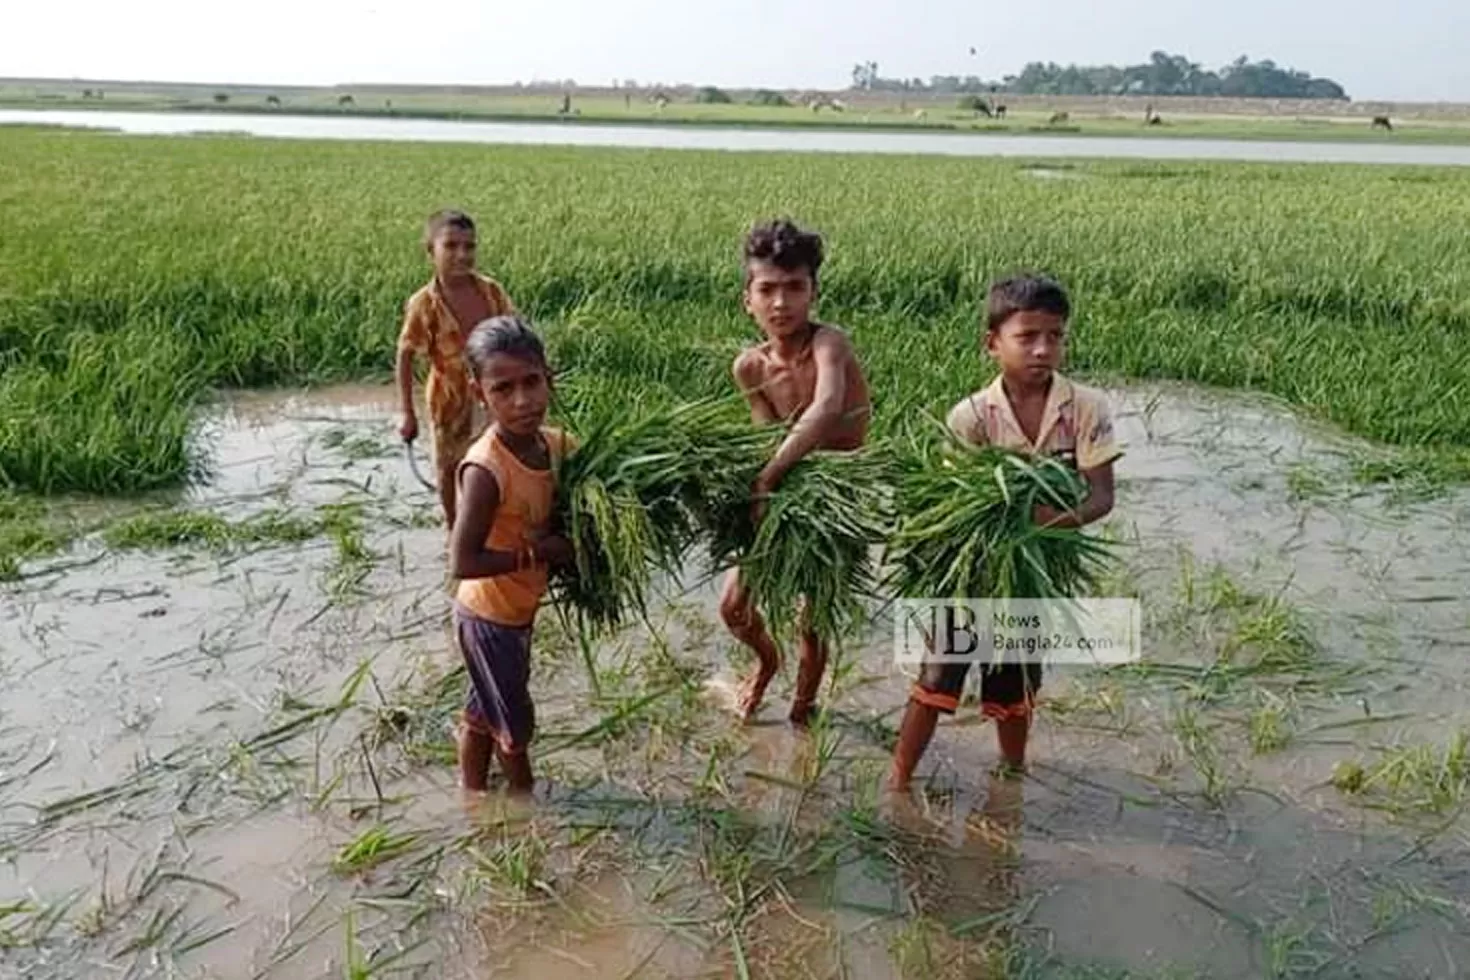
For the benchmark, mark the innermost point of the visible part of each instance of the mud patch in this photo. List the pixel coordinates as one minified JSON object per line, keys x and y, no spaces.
{"x":235,"y":760}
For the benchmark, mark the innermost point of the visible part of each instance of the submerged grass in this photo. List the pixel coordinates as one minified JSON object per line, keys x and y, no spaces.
{"x":132,"y":286}
{"x":173,"y":529}
{"x":1411,"y":779}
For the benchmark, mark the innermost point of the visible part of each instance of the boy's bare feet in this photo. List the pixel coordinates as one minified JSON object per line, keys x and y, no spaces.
{"x":804,"y":714}
{"x":753,"y":691}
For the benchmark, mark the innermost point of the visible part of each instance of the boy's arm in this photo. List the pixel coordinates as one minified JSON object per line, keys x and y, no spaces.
{"x":1099,"y":502}
{"x":479,"y":496}
{"x":413,"y":339}
{"x":831,"y":352}
{"x":504,"y":305}
{"x":1097,"y":450}
{"x":750,"y":379}
{"x":408,"y":423}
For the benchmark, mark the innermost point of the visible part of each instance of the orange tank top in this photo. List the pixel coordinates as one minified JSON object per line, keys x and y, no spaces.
{"x":524,"y":513}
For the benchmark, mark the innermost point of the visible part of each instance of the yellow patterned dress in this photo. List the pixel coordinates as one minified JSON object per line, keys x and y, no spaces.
{"x":431,"y":329}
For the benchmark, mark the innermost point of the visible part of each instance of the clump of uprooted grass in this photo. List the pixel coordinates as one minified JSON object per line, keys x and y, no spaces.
{"x":633,"y":496}
{"x":809,"y":561}
{"x":968,"y":530}
{"x":1412,"y":779}
{"x":172,"y":529}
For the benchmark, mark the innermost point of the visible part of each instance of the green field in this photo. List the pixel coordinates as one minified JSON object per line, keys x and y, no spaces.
{"x":138,"y":274}
{"x":226,"y":728}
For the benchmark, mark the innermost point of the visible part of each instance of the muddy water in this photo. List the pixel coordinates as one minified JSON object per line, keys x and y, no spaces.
{"x":151,"y":674}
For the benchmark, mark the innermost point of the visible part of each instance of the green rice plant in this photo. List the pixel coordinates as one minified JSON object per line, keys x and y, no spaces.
{"x":810,"y":561}
{"x":1414,"y":779}
{"x":1198,"y":741}
{"x":174,"y":529}
{"x":27,"y":533}
{"x":967,"y":528}
{"x":132,"y":288}
{"x":514,"y":864}
{"x":631,"y":495}
{"x":372,"y":847}
{"x":1270,"y":724}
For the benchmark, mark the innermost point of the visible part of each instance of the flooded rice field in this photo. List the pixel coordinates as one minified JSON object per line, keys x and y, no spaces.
{"x":226,"y":748}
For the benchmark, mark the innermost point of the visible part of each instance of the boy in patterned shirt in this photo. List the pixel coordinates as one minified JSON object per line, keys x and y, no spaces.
{"x":437,"y":321}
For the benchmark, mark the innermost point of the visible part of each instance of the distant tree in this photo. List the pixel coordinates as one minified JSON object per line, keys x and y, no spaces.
{"x":710,"y":95}
{"x":220,"y":98}
{"x":274,"y":100}
{"x":1162,"y":74}
{"x":346,"y":100}
{"x":766,"y":97}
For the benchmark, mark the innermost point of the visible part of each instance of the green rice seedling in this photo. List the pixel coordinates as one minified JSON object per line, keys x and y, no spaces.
{"x":513,"y":864}
{"x":1408,"y":780}
{"x":353,"y":561}
{"x":174,"y":529}
{"x":810,"y":562}
{"x":372,"y":847}
{"x":1198,"y":742}
{"x":967,"y":527}
{"x":1270,"y":725}
{"x":27,"y":922}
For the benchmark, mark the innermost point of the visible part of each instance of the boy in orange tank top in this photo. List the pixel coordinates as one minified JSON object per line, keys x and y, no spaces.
{"x":501,"y":547}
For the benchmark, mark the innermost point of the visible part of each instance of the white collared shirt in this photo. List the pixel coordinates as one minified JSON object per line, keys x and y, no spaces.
{"x":1076,"y":426}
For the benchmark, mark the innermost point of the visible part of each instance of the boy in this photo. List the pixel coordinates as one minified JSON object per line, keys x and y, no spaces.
{"x":436,"y":323}
{"x":501,"y":546}
{"x":804,"y":375}
{"x":1032,"y":408}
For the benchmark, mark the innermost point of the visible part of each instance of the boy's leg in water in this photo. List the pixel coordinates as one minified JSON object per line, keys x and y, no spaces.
{"x":1008,"y":694}
{"x":1011,"y":735}
{"x":452,"y":439}
{"x":499,"y":711}
{"x":809,"y":672}
{"x":475,"y":749}
{"x":937,"y":692}
{"x":914,"y":735}
{"x":739,"y":614}
{"x":516,"y":765}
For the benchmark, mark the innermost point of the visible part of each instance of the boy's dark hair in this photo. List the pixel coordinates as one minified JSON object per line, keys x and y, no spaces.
{"x":440,"y":220}
{"x":785,"y":246}
{"x":502,"y":335}
{"x":1025,"y":294}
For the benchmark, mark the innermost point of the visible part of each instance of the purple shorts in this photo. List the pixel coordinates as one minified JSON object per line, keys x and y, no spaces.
{"x":498,"y":661}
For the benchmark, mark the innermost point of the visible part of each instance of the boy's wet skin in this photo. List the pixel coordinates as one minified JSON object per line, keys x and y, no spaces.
{"x":806,"y":376}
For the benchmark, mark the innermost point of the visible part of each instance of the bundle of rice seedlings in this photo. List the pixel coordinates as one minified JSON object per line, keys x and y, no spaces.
{"x":967,"y":528}
{"x":630,"y":497}
{"x":811,"y":560}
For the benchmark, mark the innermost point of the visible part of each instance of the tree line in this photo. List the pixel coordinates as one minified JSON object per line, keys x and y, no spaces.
{"x":1162,"y":74}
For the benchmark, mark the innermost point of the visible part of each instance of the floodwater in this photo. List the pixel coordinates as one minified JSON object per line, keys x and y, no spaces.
{"x":214,"y":706}
{"x":742,"y":138}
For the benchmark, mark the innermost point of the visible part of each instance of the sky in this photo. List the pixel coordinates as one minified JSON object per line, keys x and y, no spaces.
{"x":1409,"y":50}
